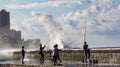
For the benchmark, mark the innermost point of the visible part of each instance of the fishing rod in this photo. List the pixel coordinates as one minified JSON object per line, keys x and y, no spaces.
{"x":85,"y":32}
{"x":48,"y":41}
{"x":69,"y":43}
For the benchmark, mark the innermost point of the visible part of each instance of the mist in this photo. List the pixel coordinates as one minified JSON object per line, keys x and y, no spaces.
{"x":54,"y":29}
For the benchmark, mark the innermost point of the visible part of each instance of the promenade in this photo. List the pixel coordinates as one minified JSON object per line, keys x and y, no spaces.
{"x":50,"y":64}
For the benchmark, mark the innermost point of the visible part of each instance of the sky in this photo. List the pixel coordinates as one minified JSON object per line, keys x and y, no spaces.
{"x":64,"y":21}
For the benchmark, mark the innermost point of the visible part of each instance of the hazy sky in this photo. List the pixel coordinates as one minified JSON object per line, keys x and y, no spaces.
{"x":64,"y":20}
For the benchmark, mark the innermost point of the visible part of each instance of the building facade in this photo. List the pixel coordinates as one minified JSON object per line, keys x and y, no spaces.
{"x":8,"y":37}
{"x":32,"y":44}
{"x":4,"y":20}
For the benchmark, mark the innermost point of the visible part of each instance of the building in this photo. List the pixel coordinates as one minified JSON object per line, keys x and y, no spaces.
{"x":8,"y":37}
{"x":32,"y":44}
{"x":4,"y":20}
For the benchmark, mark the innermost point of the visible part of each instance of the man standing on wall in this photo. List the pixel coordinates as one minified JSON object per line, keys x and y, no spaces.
{"x":86,"y":52}
{"x":56,"y":54}
{"x":41,"y":52}
{"x":23,"y":54}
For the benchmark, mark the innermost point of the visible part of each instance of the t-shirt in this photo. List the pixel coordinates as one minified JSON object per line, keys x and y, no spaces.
{"x":55,"y":52}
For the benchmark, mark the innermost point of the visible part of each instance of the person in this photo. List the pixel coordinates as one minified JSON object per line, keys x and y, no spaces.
{"x":41,"y":52}
{"x":56,"y":54}
{"x":86,"y":51}
{"x":23,"y":54}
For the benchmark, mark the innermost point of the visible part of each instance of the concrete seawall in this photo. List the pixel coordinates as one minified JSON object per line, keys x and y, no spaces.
{"x":103,"y":56}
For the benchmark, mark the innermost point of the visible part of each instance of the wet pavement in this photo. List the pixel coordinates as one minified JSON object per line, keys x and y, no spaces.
{"x":63,"y":64}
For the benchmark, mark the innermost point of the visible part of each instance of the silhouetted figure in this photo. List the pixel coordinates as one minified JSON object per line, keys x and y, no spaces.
{"x":86,"y":52}
{"x":56,"y":54}
{"x":23,"y":54}
{"x":41,"y":52}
